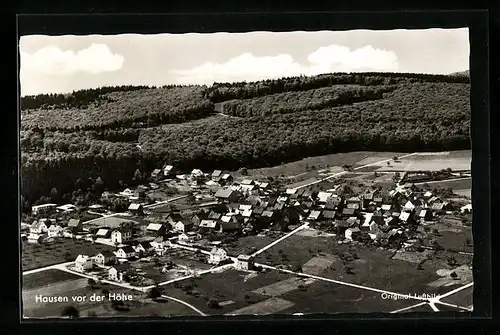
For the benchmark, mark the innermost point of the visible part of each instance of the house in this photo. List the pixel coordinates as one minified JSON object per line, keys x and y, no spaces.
{"x":116,"y":272}
{"x":355,"y":200}
{"x":103,"y":233}
{"x":353,"y":221}
{"x":216,"y":175}
{"x":143,"y":248}
{"x":466,"y":209}
{"x":183,"y":226}
{"x":254,"y":200}
{"x":43,"y":209}
{"x":156,"y":173}
{"x":54,"y":231}
{"x":406,"y":218}
{"x":121,"y":235}
{"x":245,"y":263}
{"x":324,"y":196}
{"x":314,"y":216}
{"x":213,"y":216}
{"x":367,"y":199}
{"x":412,"y":203}
{"x":423,"y":214}
{"x":378,"y":201}
{"x":107,"y":195}
{"x":226,"y":195}
{"x":229,"y":223}
{"x":126,"y":252}
{"x":264,"y":186}
{"x":268,"y":214}
{"x":139,"y":193}
{"x":439,"y":207}
{"x":105,"y":258}
{"x":75,"y":225}
{"x":341,"y":226}
{"x":433,"y":200}
{"x":38,"y":227}
{"x":386,"y":208}
{"x":349,"y":212}
{"x":377,"y":217}
{"x":196,"y":218}
{"x":136,"y":209}
{"x":169,"y":171}
{"x":67,"y":208}
{"x":353,"y":205}
{"x":329,"y":215}
{"x":393,"y":222}
{"x":352,"y":233}
{"x":217,"y":255}
{"x":279,"y":206}
{"x":283,"y":199}
{"x":208,"y":225}
{"x":226,"y":179}
{"x":83,"y":262}
{"x":258,"y":210}
{"x":156,"y":229}
{"x":173,"y":218}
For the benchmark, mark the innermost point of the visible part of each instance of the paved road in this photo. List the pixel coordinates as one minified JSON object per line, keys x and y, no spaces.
{"x":358,"y":168}
{"x":184,"y":303}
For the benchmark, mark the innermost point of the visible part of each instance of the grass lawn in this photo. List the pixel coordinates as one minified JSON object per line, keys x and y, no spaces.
{"x":462,"y":298}
{"x":44,"y":278}
{"x":247,"y":245}
{"x":428,"y":163}
{"x":459,"y":184}
{"x":114,"y":221}
{"x":374,"y":268}
{"x":325,"y":297}
{"x":49,"y":253}
{"x":230,"y":287}
{"x":456,"y":241}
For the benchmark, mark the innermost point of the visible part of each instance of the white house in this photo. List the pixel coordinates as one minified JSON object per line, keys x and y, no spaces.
{"x":38,"y":227}
{"x":116,"y":272}
{"x":121,"y":235}
{"x":217,"y":255}
{"x":102,"y":233}
{"x":105,"y":258}
{"x":67,"y":208}
{"x":35,"y":210}
{"x":83,"y":262}
{"x":245,"y":262}
{"x":466,"y":209}
{"x":54,"y":231}
{"x":125,"y":252}
{"x":350,"y":233}
{"x":182,"y":226}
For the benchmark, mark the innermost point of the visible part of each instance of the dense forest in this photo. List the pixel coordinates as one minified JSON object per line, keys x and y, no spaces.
{"x":97,"y":147}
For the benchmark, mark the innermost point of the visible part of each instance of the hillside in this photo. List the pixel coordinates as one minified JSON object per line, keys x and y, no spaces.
{"x":120,"y":136}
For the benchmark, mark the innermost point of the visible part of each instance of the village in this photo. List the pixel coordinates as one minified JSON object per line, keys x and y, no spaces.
{"x":197,"y":221}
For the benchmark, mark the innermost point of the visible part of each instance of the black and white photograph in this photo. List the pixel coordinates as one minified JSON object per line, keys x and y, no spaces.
{"x":254,"y":173}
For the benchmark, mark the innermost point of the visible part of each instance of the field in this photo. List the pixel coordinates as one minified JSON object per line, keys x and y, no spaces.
{"x":247,"y":245}
{"x":462,"y":298}
{"x":139,"y":306}
{"x":113,"y":221}
{"x":455,"y":184}
{"x":46,"y":278}
{"x":45,"y":254}
{"x":233,"y":290}
{"x":457,"y":162}
{"x":369,"y":267}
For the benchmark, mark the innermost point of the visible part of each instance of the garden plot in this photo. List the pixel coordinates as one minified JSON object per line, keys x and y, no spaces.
{"x":413,"y":256}
{"x":284,"y":286}
{"x":316,"y":265}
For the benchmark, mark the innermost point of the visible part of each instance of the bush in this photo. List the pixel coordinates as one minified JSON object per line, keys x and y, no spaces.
{"x":213,"y":303}
{"x":71,"y":312}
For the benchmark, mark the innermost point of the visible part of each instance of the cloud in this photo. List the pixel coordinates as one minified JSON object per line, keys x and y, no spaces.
{"x":332,"y":58}
{"x":97,"y":58}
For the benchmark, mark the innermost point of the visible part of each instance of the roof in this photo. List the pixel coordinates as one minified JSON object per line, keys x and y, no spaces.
{"x":175,"y":216}
{"x":244,"y":257}
{"x":213,"y":216}
{"x":226,"y":176}
{"x":156,"y":171}
{"x":264,"y":185}
{"x":386,"y":207}
{"x":73,"y":223}
{"x":354,"y":229}
{"x":185,"y":222}
{"x":329,"y":214}
{"x":102,"y":232}
{"x":348,"y":211}
{"x":168,"y":168}
{"x":154,"y":226}
{"x":268,"y":214}
{"x":323,"y":196}
{"x":422,"y":213}
{"x":368,"y":196}
{"x":353,"y":206}
{"x":42,"y":206}
{"x":106,"y":253}
{"x":279,"y":206}
{"x":404,"y":216}
{"x":258,"y":210}
{"x":247,"y":182}
{"x":146,"y":245}
{"x":314,"y":215}
{"x":134,"y":207}
{"x":224,"y":193}
{"x":290,"y":190}
{"x":127,"y":249}
{"x":354,"y":199}
{"x":208,"y":223}
{"x":341,"y":223}
{"x":216,"y":173}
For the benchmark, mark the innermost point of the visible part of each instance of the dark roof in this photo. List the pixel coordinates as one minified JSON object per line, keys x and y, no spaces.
{"x":279,"y":207}
{"x":224,"y":193}
{"x":187,"y":222}
{"x":341,"y":223}
{"x":272,"y":200}
{"x":214,"y":216}
{"x":268,"y":213}
{"x":128,"y":249}
{"x":146,"y":245}
{"x":258,"y":210}
{"x":73,"y":223}
{"x":308,"y":204}
{"x":348,"y":211}
{"x":329,"y":214}
{"x":300,"y":192}
{"x":107,"y":253}
{"x":175,"y":217}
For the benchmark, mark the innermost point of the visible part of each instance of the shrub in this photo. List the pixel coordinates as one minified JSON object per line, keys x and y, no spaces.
{"x":213,"y":303}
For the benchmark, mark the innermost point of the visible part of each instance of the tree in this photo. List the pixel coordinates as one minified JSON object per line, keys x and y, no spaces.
{"x":155,"y":292}
{"x":54,"y":195}
{"x":397,"y":177}
{"x":395,"y":158}
{"x":70,"y":312}
{"x":137,"y":176}
{"x":98,"y":185}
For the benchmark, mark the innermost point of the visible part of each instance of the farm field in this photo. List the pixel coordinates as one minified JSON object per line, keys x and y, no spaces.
{"x":428,"y":163}
{"x":373,"y":268}
{"x":50,"y":253}
{"x":457,"y":241}
{"x":248,"y":244}
{"x":455,"y":184}
{"x":113,"y":221}
{"x":46,"y":278}
{"x":319,"y":163}
{"x":232,"y":289}
{"x":139,"y":306}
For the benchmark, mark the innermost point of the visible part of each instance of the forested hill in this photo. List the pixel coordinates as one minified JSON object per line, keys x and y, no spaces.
{"x":90,"y":140}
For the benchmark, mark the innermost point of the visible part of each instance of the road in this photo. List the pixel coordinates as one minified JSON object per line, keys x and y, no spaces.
{"x":358,"y":168}
{"x":280,"y":239}
{"x":184,"y":303}
{"x":442,"y":181}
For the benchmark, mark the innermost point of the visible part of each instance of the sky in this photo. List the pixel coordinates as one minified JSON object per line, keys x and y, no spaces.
{"x":62,"y":64}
